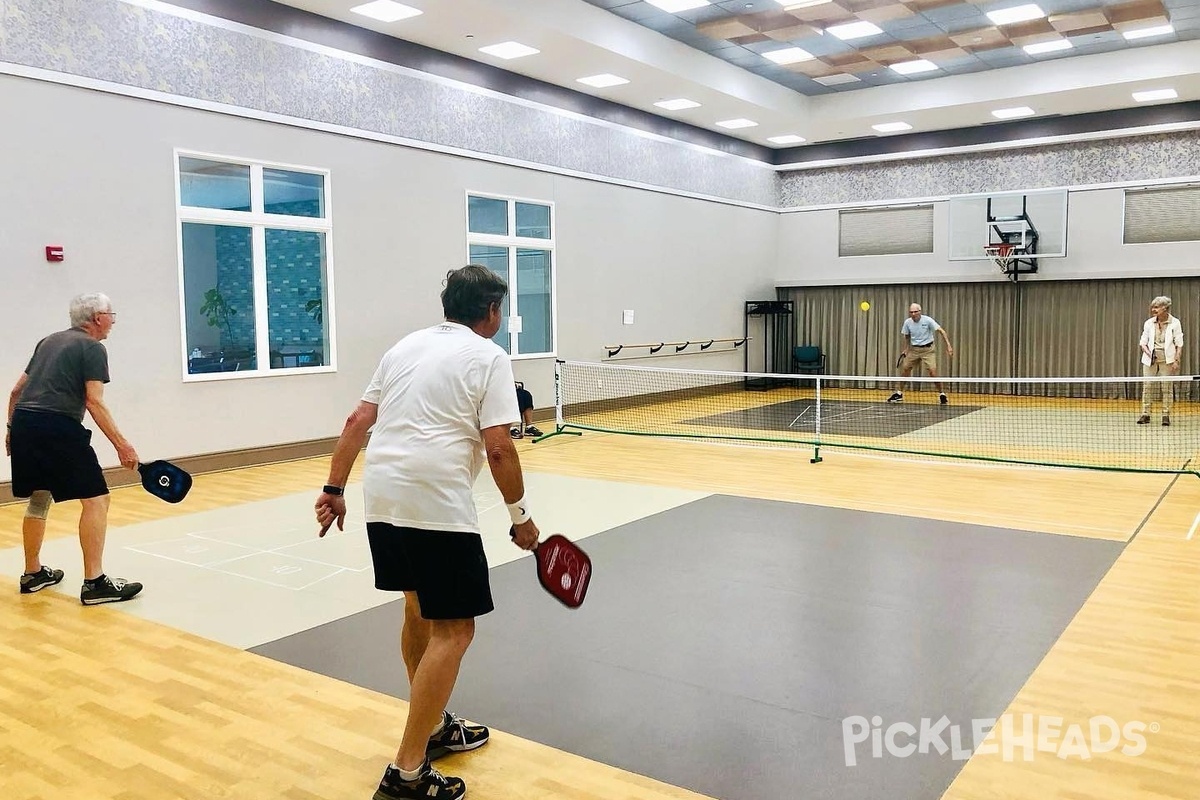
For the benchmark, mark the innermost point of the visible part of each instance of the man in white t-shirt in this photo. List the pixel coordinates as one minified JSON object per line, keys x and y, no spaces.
{"x":920,"y":332}
{"x":441,"y":403}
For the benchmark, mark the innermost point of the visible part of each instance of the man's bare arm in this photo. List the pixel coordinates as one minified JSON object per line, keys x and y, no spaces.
{"x":108,"y":426}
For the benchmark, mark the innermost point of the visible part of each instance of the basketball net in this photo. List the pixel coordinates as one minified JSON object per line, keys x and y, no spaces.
{"x":1003,"y":254}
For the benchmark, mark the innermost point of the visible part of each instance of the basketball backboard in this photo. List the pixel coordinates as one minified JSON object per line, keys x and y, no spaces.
{"x":1034,"y":219}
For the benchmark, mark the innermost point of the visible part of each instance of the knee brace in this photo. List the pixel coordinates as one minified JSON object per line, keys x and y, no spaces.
{"x":39,"y":504}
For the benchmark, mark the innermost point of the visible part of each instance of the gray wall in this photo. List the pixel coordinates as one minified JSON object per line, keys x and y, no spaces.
{"x":808,"y":250}
{"x":95,"y":174}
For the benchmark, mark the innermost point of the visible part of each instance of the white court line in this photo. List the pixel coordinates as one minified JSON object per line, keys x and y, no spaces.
{"x":1192,"y":531}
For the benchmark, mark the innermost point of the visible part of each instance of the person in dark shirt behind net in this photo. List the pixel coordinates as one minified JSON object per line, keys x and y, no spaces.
{"x":50,"y":449}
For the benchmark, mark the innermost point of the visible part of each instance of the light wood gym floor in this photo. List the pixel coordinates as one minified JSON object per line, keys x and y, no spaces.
{"x":99,"y":703}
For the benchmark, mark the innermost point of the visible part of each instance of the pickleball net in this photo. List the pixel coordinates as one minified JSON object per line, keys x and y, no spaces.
{"x":1090,"y":423}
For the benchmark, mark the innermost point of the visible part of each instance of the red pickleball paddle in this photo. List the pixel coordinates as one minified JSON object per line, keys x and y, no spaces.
{"x":563,"y":569}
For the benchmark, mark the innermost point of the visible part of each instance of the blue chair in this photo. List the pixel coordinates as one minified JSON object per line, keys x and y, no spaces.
{"x":808,"y":359}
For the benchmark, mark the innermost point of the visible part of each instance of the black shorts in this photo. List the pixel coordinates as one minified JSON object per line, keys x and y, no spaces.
{"x":53,"y":452}
{"x":447,"y":569}
{"x":524,"y":400}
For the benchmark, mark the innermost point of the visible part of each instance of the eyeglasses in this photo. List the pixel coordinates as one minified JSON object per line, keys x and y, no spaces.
{"x":112,"y":314}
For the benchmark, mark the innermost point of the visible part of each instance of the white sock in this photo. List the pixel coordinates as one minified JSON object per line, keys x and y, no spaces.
{"x":441,"y":726}
{"x":410,"y":775}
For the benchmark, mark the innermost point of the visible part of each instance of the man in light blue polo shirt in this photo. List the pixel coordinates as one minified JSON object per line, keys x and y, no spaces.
{"x":920,"y":348}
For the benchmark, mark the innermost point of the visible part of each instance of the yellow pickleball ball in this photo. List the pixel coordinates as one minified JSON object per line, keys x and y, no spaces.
{"x":864,"y":305}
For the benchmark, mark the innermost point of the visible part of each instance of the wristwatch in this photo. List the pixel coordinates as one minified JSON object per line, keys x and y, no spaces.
{"x":336,"y":491}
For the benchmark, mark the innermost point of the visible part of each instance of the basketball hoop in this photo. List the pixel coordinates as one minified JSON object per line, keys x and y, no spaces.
{"x":1003,"y":253}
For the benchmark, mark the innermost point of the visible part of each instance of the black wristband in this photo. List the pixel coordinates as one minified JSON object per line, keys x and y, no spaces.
{"x":336,"y":491}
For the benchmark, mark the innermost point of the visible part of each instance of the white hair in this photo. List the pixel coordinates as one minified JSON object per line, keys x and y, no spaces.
{"x":1161,"y":302}
{"x":85,"y":307}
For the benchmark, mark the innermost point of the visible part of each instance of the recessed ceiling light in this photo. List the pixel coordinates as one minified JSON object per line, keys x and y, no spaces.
{"x":603,"y":80}
{"x":737,"y":123}
{"x":790,"y":138}
{"x":1007,"y":16}
{"x":854,"y":30}
{"x":509,"y":50}
{"x":678,"y":5}
{"x":892,"y":127}
{"x":1047,"y":47}
{"x":913,"y":67}
{"x":1158,"y":30}
{"x":1013,"y":113}
{"x":788,"y":55}
{"x":678,"y":104}
{"x":1155,"y":94}
{"x":386,"y":11}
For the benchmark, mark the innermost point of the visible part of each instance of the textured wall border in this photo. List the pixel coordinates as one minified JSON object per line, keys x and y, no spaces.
{"x":170,"y":51}
{"x":1095,"y":163}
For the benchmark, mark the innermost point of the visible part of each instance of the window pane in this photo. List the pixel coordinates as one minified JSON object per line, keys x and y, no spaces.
{"x":212,"y":184}
{"x":296,"y":327}
{"x":533,"y":221}
{"x":218,"y":298}
{"x":496,"y":259}
{"x":485,"y":215}
{"x":533,"y":301}
{"x":297,"y":194}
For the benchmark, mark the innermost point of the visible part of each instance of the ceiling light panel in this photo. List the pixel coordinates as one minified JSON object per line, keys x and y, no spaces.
{"x":854,"y":30}
{"x":734,"y":124}
{"x":678,"y":104}
{"x":603,"y":81}
{"x":1155,"y":94}
{"x":1158,"y":30}
{"x":913,"y":67}
{"x":1013,"y":113}
{"x":793,"y":5}
{"x":678,"y":5}
{"x":788,"y":55}
{"x":386,"y":11}
{"x":1009,"y":16}
{"x":789,"y":138}
{"x":1047,"y":47}
{"x":509,"y":50}
{"x":892,"y":127}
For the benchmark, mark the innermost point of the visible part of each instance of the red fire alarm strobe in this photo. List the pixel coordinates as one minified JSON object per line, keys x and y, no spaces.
{"x":54,"y":252}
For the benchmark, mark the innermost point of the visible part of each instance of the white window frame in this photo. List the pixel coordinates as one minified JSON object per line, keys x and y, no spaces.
{"x":257,"y":220}
{"x":512,"y":243}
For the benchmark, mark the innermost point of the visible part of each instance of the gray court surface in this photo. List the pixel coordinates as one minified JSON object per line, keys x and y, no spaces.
{"x":739,"y":647}
{"x":838,"y":417}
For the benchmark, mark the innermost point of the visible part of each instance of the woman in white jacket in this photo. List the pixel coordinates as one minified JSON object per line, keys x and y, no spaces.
{"x":1162,"y":350}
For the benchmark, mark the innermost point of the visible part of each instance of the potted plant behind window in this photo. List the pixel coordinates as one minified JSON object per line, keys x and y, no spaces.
{"x":219,"y":313}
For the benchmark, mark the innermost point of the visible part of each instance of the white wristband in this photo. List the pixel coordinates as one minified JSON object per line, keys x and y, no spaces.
{"x":518,"y":511}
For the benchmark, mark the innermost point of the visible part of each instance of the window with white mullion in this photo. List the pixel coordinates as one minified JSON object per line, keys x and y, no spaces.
{"x":255,"y":241}
{"x":256,"y":189}
{"x":514,"y":238}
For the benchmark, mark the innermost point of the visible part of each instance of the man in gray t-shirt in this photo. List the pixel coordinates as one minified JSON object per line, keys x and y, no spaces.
{"x":50,"y":449}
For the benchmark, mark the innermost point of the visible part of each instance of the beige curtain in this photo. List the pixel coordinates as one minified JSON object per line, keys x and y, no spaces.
{"x":1026,"y":329}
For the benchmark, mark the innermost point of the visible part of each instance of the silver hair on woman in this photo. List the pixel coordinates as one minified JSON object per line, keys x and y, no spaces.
{"x":1161,"y":302}
{"x":85,"y":307}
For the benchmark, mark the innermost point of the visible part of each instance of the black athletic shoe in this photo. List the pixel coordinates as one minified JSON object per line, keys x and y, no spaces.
{"x":514,"y":433}
{"x":36,"y":581}
{"x":429,"y":785}
{"x":456,"y":736}
{"x":108,"y":590}
{"x":532,"y":430}
{"x":896,"y":397}
{"x":943,"y":399}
